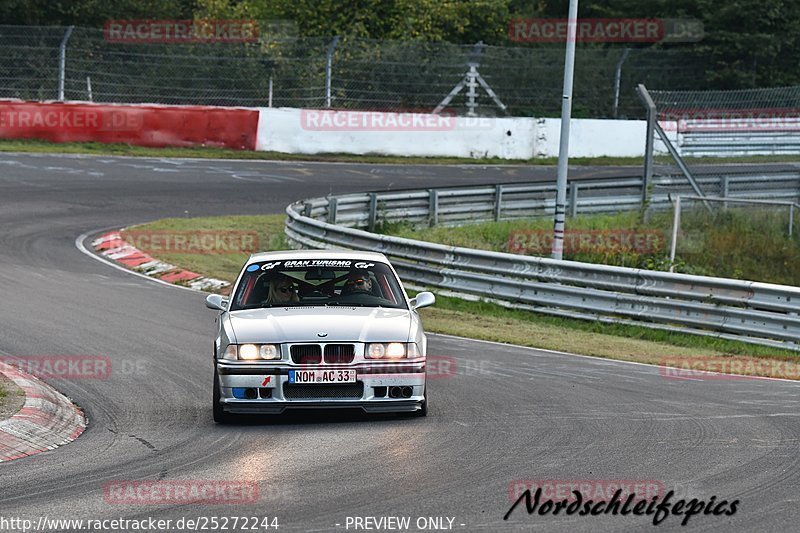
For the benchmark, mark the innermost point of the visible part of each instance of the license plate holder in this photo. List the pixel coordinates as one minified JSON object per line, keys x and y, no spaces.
{"x":322,"y":377}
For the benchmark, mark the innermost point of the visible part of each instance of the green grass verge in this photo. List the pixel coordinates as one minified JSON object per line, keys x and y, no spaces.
{"x":93,"y":148}
{"x":11,"y":397}
{"x":226,"y":266}
{"x":483,"y":320}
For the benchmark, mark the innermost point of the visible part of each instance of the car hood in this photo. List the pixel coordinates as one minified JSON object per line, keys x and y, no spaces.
{"x":297,"y":324}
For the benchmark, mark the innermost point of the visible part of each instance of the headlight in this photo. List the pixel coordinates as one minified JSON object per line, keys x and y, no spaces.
{"x":375,"y":351}
{"x":395,"y":350}
{"x":252,"y":352}
{"x":248,"y":352}
{"x":391,"y":350}
{"x":269,"y":351}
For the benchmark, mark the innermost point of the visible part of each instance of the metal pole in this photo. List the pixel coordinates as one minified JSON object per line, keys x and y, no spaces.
{"x":647,"y":176}
{"x":270,"y":92}
{"x":618,"y":77}
{"x":472,"y":94}
{"x":676,"y":222}
{"x":791,"y":219}
{"x":563,"y":148}
{"x":89,"y":87}
{"x":62,"y":63}
{"x":328,"y":70}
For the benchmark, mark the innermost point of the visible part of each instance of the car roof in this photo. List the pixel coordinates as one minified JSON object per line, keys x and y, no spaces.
{"x":317,"y":254}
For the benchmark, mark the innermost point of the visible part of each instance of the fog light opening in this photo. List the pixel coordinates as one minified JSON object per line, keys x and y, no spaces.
{"x":395,"y":392}
{"x":407,"y":392}
{"x":250,"y":394}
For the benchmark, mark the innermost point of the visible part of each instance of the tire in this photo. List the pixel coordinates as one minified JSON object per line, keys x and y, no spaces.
{"x":220,"y":416}
{"x":424,"y":410}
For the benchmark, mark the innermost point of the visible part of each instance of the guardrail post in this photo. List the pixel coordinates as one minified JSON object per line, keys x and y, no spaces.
{"x":724,"y":187}
{"x":332,"y":204}
{"x":573,"y":199}
{"x":307,"y":209}
{"x":498,"y":201}
{"x":676,"y":222}
{"x":433,"y":207}
{"x":373,"y":211}
{"x":791,"y":219}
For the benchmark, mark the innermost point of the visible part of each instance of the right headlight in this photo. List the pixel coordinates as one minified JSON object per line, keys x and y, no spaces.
{"x":391,"y":350}
{"x":252,"y":352}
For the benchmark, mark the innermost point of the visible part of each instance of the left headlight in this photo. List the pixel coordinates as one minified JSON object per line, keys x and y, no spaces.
{"x":252,"y":352}
{"x":391,"y":350}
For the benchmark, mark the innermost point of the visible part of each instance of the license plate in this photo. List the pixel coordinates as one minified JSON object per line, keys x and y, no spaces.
{"x":322,"y":376}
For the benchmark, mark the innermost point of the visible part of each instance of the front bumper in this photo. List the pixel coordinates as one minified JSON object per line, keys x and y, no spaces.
{"x":265,"y":389}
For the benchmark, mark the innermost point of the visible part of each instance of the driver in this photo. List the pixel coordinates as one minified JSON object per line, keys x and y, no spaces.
{"x":357,"y":282}
{"x":282,"y":290}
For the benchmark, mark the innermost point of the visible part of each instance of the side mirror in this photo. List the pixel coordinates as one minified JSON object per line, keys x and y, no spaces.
{"x":423,"y":299}
{"x":216,"y":302}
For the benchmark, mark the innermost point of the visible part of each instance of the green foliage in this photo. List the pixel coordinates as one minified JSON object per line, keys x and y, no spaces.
{"x":748,"y":43}
{"x":90,"y":13}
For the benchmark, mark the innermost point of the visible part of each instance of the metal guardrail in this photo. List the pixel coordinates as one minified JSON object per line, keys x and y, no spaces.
{"x":727,"y":143}
{"x":754,"y":312}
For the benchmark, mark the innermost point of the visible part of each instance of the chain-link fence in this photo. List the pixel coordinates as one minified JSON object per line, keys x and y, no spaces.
{"x":742,"y":122}
{"x":699,"y":126}
{"x":342,"y":73}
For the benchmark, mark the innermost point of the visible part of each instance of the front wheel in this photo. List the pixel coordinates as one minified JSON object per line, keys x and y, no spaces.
{"x":220,"y":416}
{"x":424,"y":410}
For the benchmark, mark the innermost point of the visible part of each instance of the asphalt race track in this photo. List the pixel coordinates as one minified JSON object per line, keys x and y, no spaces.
{"x":504,"y":414}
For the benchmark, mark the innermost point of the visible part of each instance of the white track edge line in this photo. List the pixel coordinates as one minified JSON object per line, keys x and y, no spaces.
{"x":80,"y":246}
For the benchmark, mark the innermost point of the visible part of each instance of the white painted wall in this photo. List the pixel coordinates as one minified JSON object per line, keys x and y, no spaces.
{"x":300,"y":131}
{"x":594,"y":138}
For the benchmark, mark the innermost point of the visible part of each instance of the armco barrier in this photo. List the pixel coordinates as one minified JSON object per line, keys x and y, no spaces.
{"x":142,"y":125}
{"x":760,"y":313}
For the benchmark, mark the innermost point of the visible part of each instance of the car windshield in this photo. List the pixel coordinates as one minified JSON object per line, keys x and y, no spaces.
{"x":318,"y":282}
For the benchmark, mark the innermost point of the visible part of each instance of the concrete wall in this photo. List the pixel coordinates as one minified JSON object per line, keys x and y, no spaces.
{"x":311,"y":131}
{"x":357,"y":132}
{"x":143,"y":125}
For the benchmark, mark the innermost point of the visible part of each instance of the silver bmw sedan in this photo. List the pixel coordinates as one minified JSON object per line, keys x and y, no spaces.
{"x":318,"y":329}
